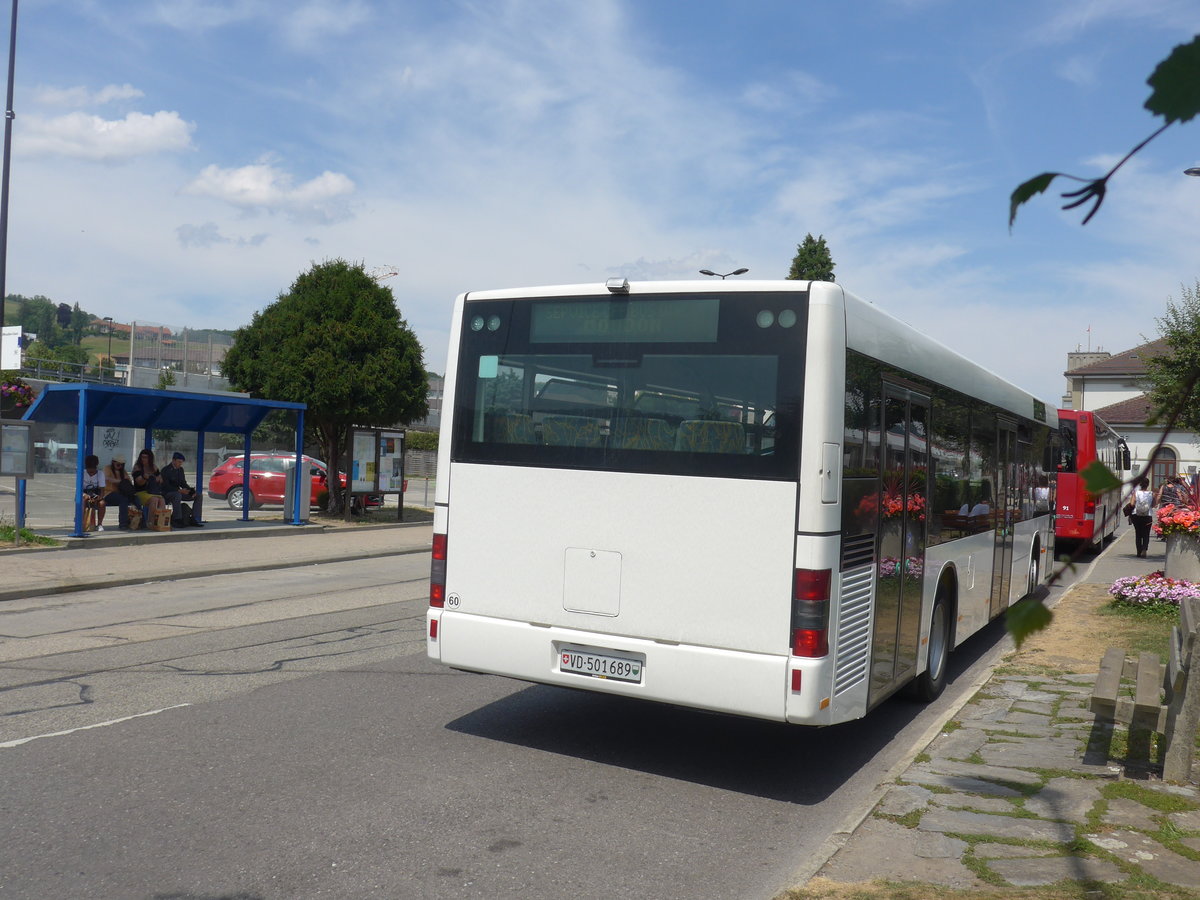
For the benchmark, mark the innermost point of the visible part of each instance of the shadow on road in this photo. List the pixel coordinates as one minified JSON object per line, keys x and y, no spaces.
{"x":787,"y":763}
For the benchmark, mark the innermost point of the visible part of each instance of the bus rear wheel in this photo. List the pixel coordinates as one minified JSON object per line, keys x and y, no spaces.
{"x":929,"y":685}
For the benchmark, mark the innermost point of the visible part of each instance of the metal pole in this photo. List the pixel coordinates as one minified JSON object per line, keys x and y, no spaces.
{"x":9,"y":115}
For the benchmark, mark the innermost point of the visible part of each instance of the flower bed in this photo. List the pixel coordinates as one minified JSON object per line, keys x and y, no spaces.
{"x":1152,"y":589}
{"x":1171,"y":519}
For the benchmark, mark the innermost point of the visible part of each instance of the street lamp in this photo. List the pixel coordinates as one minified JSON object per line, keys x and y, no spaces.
{"x":726,"y":275}
{"x":108,"y":319}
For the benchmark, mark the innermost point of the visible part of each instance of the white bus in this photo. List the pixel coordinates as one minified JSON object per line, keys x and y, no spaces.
{"x":763,"y":498}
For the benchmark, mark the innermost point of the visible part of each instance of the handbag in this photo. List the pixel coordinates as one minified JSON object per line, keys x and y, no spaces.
{"x":1128,"y":509}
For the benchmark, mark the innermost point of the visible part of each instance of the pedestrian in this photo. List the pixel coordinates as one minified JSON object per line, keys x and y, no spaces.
{"x":1140,"y":518}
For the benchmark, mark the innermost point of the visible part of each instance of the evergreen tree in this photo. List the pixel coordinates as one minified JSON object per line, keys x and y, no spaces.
{"x":812,"y":261}
{"x":336,"y":342}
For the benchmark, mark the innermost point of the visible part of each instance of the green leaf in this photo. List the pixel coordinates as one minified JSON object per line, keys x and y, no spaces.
{"x":1099,"y":478}
{"x":1028,"y":190}
{"x":1026,"y":617}
{"x":1176,"y":84}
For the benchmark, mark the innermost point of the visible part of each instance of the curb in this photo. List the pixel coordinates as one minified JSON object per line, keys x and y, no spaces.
{"x":232,"y":569}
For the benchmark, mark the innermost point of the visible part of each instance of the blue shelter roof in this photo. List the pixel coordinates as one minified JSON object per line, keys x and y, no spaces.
{"x":116,"y":406}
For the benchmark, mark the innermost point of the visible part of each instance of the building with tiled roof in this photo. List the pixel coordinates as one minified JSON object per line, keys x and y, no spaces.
{"x":1113,"y":386}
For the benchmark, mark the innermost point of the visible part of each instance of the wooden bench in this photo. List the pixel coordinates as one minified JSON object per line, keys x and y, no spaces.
{"x":1165,"y":699}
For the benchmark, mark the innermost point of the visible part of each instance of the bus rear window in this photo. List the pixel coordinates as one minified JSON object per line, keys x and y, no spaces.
{"x":705,"y":400}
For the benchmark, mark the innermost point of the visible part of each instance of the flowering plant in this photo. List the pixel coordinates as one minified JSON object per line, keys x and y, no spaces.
{"x":15,"y":392}
{"x":911,"y":567}
{"x":1173,"y":519}
{"x":891,"y":504}
{"x":1145,"y":590}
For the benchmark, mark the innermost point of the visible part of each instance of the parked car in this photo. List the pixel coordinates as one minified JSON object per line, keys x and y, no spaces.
{"x":268,"y":476}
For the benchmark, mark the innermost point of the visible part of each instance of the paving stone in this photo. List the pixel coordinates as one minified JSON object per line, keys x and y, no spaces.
{"x":1131,"y":814}
{"x":1192,"y":843}
{"x":970,"y":801}
{"x":1175,"y":790}
{"x":1150,"y":856}
{"x":883,"y":849}
{"x":1064,"y":799}
{"x":965,"y":822}
{"x":989,"y":772}
{"x":1186,"y":821}
{"x":1019,"y":691}
{"x":1008,"y":851}
{"x":1078,"y":678}
{"x":939,"y":846}
{"x":984,"y":710}
{"x":960,"y":783}
{"x":1016,"y":717}
{"x":1033,"y":754}
{"x":1041,"y":709}
{"x":901,"y":799}
{"x":1048,"y":870}
{"x":1007,"y":728}
{"x":957,"y":744}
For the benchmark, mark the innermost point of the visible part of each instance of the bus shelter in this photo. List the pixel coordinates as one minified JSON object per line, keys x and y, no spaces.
{"x":88,"y":406}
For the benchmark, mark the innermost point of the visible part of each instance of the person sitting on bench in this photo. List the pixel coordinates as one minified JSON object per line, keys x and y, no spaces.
{"x":176,"y":490}
{"x":93,"y":489}
{"x":118,"y":489}
{"x":148,"y":482}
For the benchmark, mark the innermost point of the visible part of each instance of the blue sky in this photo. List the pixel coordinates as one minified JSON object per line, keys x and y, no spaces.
{"x":181,"y":161}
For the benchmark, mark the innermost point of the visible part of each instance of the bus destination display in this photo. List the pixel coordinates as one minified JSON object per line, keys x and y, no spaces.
{"x":625,"y":321}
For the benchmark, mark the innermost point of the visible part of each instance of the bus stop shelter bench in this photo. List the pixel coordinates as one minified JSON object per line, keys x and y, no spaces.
{"x":1164,"y":699}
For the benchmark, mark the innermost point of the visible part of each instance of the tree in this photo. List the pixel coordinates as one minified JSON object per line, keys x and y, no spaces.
{"x":812,"y":261}
{"x":80,"y":320}
{"x":1174,"y":95}
{"x":38,"y":316}
{"x":336,"y":342}
{"x":1174,"y":375}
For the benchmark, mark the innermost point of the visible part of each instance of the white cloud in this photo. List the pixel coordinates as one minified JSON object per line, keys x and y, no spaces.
{"x":81,"y":96}
{"x":264,"y":187}
{"x":81,"y":136}
{"x":209,"y":235}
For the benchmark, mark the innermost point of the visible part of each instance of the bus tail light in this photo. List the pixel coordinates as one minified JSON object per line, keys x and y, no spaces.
{"x":810,"y":612}
{"x":437,"y":572}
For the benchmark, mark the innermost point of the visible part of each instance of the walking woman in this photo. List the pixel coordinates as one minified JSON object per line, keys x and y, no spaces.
{"x":1143,"y":504}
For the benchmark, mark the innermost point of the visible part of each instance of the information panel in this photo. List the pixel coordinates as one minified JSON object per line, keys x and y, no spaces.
{"x":16,"y":448}
{"x":362,"y":462}
{"x":391,"y":462}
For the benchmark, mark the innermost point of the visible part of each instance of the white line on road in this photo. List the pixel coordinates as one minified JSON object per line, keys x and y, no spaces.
{"x":154,"y":712}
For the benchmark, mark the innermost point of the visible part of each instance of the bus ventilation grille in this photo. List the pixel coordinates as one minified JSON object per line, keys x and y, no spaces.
{"x":858,"y":551}
{"x":853,"y":630}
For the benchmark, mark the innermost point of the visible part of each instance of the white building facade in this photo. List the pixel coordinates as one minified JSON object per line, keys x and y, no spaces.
{"x":1114,"y":386}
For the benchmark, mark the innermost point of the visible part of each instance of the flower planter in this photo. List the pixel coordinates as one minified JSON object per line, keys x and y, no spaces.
{"x":1183,"y":557}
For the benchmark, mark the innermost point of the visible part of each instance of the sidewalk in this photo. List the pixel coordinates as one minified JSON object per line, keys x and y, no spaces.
{"x":108,"y":559}
{"x":1009,"y":794}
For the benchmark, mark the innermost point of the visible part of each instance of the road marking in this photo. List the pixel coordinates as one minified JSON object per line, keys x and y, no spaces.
{"x":154,"y":712}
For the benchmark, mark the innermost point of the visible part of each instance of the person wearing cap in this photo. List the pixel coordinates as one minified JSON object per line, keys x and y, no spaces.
{"x":114,"y":476}
{"x":176,"y":490}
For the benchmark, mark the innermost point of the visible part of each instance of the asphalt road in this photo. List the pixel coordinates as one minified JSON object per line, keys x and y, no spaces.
{"x":283,"y":735}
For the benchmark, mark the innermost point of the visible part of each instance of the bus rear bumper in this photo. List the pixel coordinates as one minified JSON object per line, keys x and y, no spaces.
{"x":726,"y":681}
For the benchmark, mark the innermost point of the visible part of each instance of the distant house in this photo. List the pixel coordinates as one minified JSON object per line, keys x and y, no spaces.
{"x":1113,"y":386}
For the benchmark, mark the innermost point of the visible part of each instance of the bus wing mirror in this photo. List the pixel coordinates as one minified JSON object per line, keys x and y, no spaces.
{"x":1126,"y":464}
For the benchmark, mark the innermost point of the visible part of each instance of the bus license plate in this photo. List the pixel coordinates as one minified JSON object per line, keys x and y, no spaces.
{"x":600,"y":665}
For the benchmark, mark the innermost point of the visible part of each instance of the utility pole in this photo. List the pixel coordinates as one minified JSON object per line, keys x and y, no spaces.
{"x":9,"y":115}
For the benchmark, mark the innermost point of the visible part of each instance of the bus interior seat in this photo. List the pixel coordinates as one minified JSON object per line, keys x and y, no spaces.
{"x":572,"y":431}
{"x":643,"y":434}
{"x":705,"y":436}
{"x":512,"y":428}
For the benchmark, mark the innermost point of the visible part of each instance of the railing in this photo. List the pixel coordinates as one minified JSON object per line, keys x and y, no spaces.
{"x":54,"y":370}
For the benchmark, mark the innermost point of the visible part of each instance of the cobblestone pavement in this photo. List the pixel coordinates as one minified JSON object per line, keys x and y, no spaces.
{"x":1017,"y":791}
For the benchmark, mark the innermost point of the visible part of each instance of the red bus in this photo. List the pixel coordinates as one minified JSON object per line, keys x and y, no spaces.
{"x":1083,"y":517}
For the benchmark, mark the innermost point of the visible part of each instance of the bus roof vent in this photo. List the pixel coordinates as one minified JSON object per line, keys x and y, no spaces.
{"x":618,"y":285}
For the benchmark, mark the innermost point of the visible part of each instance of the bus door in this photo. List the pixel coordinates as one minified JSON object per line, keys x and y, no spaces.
{"x":900,"y":548}
{"x":1007,"y":510}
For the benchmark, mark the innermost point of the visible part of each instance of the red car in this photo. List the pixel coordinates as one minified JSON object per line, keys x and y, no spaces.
{"x":267,"y":479}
